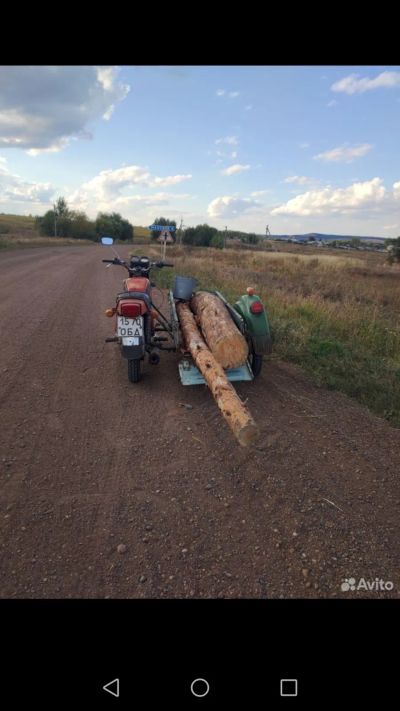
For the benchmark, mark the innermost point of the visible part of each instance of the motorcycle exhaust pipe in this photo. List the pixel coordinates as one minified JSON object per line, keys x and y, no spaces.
{"x":154,"y":358}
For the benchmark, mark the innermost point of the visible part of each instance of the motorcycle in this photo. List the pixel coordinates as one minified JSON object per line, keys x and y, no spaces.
{"x":138,"y":321}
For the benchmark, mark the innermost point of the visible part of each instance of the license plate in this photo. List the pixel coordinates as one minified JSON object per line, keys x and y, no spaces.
{"x":130,"y":328}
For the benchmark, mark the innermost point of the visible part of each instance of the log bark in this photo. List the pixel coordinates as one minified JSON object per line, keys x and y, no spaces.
{"x":221,"y":334}
{"x":233,"y":410}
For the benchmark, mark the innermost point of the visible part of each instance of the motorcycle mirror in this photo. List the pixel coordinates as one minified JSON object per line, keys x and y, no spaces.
{"x":107,"y":240}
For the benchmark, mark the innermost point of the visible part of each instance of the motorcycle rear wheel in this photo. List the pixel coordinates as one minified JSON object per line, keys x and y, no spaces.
{"x":134,"y":370}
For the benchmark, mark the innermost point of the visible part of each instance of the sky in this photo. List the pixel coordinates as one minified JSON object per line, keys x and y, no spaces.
{"x":297,"y":148}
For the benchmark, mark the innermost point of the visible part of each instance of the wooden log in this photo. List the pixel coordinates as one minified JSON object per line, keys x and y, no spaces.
{"x":220,"y":332}
{"x":233,"y":410}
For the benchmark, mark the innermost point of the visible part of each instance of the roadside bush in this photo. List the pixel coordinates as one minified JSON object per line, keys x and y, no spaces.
{"x":113,"y":225}
{"x":199,"y":236}
{"x":217,"y":241}
{"x":394,"y":254}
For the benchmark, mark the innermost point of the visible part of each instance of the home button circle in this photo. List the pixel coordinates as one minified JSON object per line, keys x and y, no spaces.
{"x":200,"y":688}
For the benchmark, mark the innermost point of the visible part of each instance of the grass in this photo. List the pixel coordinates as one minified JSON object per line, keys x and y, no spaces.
{"x":338,"y":317}
{"x":141,"y":235}
{"x":20,"y":242}
{"x":17,"y":224}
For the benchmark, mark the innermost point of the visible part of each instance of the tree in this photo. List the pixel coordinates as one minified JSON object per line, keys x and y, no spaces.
{"x":62,"y":218}
{"x":82,"y":227}
{"x":65,"y":222}
{"x":250,"y":238}
{"x":217,"y":241}
{"x":163,"y":222}
{"x":394,"y":254}
{"x":61,"y":207}
{"x":199,"y":236}
{"x":45,"y":224}
{"x":113,"y":225}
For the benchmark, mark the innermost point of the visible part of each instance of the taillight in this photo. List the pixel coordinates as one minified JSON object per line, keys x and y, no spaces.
{"x":256,"y":307}
{"x":131,"y":310}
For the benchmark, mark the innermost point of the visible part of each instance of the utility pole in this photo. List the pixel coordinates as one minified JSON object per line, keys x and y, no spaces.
{"x":55,"y":220}
{"x":267,"y":232}
{"x":180,"y":232}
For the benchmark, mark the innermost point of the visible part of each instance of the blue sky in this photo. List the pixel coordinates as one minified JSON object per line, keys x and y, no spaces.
{"x":298,"y":148}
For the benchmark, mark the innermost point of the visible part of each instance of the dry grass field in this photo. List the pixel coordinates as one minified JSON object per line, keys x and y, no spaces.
{"x":18,"y":232}
{"x":336,"y":315}
{"x":20,"y":242}
{"x":141,"y":235}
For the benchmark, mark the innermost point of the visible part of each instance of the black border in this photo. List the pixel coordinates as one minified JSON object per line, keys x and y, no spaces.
{"x":340,"y":651}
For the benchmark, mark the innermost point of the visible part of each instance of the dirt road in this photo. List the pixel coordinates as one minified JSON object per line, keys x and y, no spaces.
{"x":90,"y":461}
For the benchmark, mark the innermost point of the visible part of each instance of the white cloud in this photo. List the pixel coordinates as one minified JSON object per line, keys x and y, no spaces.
{"x":108,"y":186}
{"x":298,"y":179}
{"x":230,"y":206}
{"x":149,"y":200}
{"x":344,"y":154}
{"x":105,"y":76}
{"x":230,"y":140}
{"x":258,"y":193}
{"x":354,"y":84}
{"x":332,"y":103}
{"x":360,"y":196}
{"x":391,"y":227}
{"x":169,"y":180}
{"x":13,"y":188}
{"x":248,"y":107}
{"x":230,"y":94}
{"x":304,"y":145}
{"x":234,"y":154}
{"x":42,"y":108}
{"x":234,"y":169}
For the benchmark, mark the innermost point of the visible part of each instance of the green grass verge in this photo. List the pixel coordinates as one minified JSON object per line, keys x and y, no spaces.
{"x":352,"y":352}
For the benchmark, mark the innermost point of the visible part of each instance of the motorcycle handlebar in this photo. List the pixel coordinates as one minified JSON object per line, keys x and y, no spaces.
{"x":121,"y":261}
{"x":114,"y":261}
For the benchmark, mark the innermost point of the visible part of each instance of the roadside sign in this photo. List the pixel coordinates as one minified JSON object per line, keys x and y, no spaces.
{"x":162,"y":228}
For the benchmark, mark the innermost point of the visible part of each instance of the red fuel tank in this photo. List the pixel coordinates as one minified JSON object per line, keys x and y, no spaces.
{"x":137,"y":284}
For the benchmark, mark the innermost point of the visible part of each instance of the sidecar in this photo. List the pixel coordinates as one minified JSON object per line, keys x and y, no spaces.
{"x":250,"y":317}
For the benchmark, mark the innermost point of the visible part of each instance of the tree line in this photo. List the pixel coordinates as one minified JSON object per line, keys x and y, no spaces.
{"x":61,"y":221}
{"x":205,"y":235}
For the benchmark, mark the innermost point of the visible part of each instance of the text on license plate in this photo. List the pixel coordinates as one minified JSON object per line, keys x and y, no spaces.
{"x":130,"y":326}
